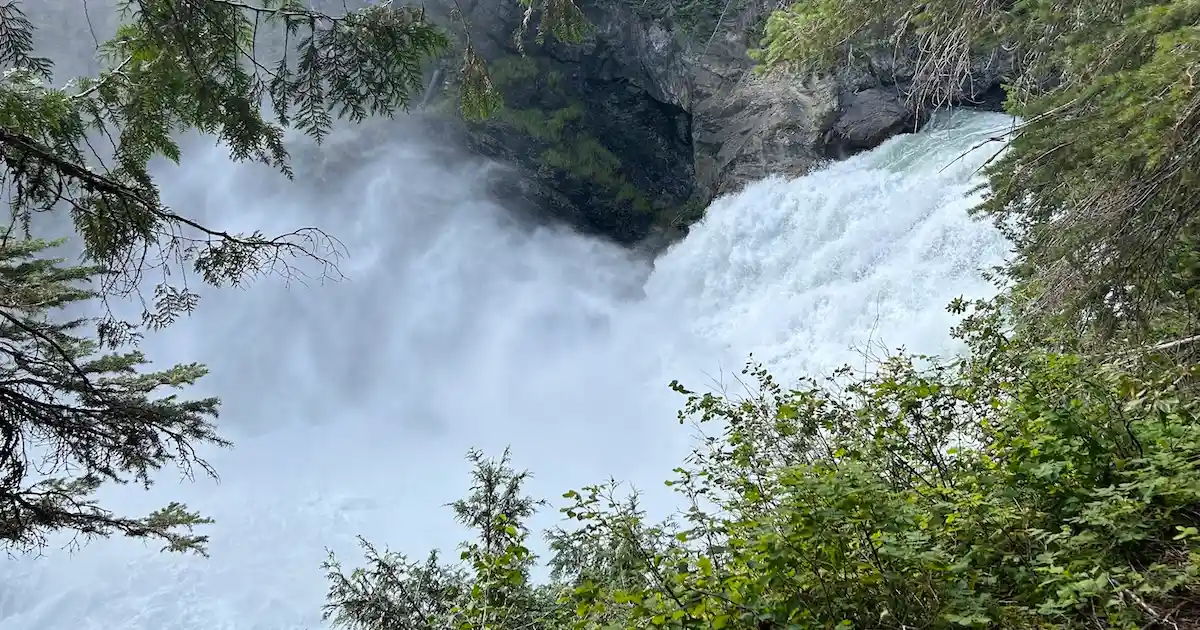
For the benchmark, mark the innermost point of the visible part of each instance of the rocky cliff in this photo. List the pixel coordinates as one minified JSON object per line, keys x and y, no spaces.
{"x":630,"y":133}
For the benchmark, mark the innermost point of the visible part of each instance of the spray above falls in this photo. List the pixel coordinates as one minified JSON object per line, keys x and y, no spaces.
{"x":352,"y":404}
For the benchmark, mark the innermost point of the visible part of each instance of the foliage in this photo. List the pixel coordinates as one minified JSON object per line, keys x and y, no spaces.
{"x":1098,"y":186}
{"x":564,"y":148}
{"x":66,"y":407}
{"x":1019,"y":487}
{"x":1048,"y":478}
{"x":489,"y":587}
{"x":699,"y":19}
{"x":563,"y":19}
{"x":173,"y":66}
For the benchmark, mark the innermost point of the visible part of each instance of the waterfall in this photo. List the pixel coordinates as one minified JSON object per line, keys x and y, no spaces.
{"x":352,"y":404}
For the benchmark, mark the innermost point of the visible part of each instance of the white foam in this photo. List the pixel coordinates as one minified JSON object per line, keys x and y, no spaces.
{"x":353,"y":404}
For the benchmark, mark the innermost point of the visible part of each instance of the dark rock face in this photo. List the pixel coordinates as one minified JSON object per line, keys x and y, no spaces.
{"x":600,"y":154}
{"x":867,"y":118}
{"x":631,"y":132}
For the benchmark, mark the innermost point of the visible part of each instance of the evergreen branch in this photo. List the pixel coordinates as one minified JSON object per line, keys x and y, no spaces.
{"x":285,"y":12}
{"x":96,"y":87}
{"x":108,"y":185}
{"x":63,"y":355}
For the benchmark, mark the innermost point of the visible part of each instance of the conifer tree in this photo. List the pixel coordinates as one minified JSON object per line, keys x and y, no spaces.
{"x":488,"y":589}
{"x":75,"y":410}
{"x":1040,"y":479}
{"x":78,"y":419}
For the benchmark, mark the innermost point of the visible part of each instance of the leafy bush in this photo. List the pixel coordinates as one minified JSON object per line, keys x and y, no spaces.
{"x":1020,"y":487}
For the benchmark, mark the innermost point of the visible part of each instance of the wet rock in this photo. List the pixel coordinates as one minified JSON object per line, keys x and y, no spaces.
{"x":674,"y":99}
{"x":631,"y":132}
{"x":867,"y":118}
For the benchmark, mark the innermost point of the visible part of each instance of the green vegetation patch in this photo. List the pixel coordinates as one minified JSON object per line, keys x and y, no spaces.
{"x":1098,"y":186}
{"x":696,"y":18}
{"x":556,"y":121}
{"x":1021,"y":487}
{"x":585,"y":158}
{"x":551,"y":126}
{"x":514,"y":69}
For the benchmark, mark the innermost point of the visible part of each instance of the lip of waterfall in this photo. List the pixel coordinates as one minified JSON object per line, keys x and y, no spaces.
{"x":352,"y":404}
{"x":869,"y":249}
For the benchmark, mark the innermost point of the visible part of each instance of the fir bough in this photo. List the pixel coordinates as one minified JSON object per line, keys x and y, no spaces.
{"x":77,"y":408}
{"x":73,"y":417}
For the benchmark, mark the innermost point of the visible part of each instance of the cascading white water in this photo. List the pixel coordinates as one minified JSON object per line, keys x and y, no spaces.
{"x":352,"y":404}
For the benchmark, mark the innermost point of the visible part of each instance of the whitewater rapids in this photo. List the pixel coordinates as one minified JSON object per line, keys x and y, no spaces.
{"x":352,"y":404}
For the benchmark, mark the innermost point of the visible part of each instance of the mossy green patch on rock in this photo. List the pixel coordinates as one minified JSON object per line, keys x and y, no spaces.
{"x":592,"y":149}
{"x":543,"y":125}
{"x":508,"y":71}
{"x":586,"y":158}
{"x":562,"y":131}
{"x":583,"y":162}
{"x":695,"y":18}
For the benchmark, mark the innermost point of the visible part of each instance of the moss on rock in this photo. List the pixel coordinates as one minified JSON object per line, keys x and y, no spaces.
{"x":550,"y":125}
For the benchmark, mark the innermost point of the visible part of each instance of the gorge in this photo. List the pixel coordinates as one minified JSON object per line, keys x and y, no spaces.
{"x":545,"y":311}
{"x":629,"y":134}
{"x":352,"y":404}
{"x":826,"y":342}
